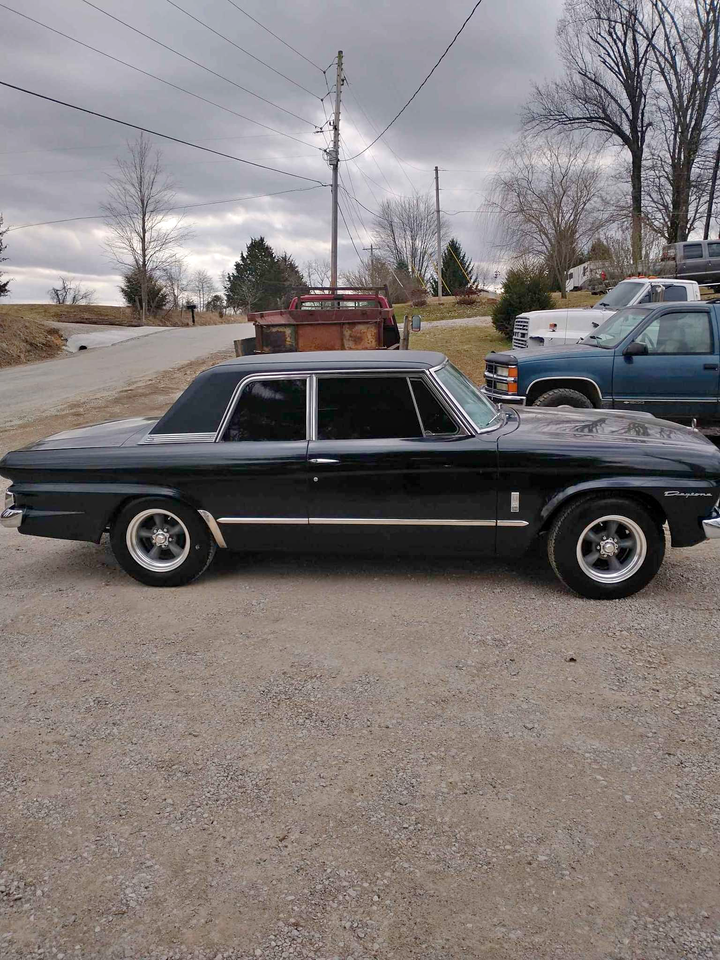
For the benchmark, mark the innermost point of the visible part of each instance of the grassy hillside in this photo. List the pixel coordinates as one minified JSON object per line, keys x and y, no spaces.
{"x":467,"y":347}
{"x":25,"y":341}
{"x":95,"y":313}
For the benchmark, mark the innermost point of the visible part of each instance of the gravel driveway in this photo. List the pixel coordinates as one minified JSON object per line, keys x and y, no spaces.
{"x":343,"y":758}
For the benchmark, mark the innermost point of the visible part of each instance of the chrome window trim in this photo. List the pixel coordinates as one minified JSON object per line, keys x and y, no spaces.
{"x":251,"y":378}
{"x":153,"y":438}
{"x":373,"y":521}
{"x":459,"y":410}
{"x":560,"y":377}
{"x":417,"y":410}
{"x":431,"y":383}
{"x":407,"y":373}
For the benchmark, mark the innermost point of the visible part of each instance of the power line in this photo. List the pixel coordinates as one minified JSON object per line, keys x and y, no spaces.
{"x":312,"y":64}
{"x":187,"y":206}
{"x":387,"y":144}
{"x":192,"y":163}
{"x":437,"y":64}
{"x":106,"y":146}
{"x":348,"y":231}
{"x":242,"y":49}
{"x":154,"y":77}
{"x":154,"y":133}
{"x":195,"y":62}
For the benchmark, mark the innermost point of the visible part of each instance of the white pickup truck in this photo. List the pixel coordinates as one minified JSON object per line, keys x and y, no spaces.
{"x":542,"y":328}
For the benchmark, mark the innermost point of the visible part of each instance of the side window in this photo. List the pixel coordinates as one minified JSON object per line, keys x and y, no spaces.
{"x":692,"y":251}
{"x":366,"y":408}
{"x":714,"y":250}
{"x":679,"y":333}
{"x":435,"y":419}
{"x":270,"y":410}
{"x":674,"y":293}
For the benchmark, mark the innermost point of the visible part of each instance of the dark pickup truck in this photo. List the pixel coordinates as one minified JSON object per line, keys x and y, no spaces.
{"x":662,"y":358}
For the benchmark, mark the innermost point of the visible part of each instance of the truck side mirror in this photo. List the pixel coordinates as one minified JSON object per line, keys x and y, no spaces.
{"x":635,"y":349}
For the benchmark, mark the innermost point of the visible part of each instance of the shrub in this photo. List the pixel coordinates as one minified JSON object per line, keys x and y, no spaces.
{"x":418,"y":297}
{"x":466,"y":296}
{"x":525,"y":288}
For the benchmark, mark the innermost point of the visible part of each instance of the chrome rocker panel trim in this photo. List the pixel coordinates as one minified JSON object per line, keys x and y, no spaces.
{"x":339,"y":521}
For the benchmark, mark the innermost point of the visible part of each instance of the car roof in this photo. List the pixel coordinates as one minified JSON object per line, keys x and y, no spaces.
{"x":339,"y":359}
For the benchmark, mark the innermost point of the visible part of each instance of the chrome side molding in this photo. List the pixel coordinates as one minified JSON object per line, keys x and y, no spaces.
{"x":214,"y":528}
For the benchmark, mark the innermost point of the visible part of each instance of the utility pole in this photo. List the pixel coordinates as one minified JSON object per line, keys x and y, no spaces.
{"x":439,"y":239}
{"x":334,"y":158}
{"x":711,"y":198}
{"x":372,"y":264}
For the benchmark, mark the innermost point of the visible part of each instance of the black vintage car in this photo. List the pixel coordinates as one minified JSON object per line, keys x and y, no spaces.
{"x":370,"y":451}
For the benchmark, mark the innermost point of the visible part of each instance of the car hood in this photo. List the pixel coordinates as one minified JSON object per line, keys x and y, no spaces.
{"x":582,"y":425}
{"x":110,"y":433}
{"x":565,"y":351}
{"x":598,"y":314}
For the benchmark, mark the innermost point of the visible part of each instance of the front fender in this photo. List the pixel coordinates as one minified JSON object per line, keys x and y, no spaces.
{"x":682,"y":503}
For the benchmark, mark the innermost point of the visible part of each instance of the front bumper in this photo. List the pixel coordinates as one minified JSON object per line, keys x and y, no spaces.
{"x":11,"y":517}
{"x":499,"y":396}
{"x":711,"y":526}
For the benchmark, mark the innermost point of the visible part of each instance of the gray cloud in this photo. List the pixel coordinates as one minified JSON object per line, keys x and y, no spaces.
{"x":54,"y":162}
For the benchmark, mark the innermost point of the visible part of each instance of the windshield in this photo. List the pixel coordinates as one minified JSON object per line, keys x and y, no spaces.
{"x":480,"y":410}
{"x":614,"y":330}
{"x":339,"y":304}
{"x":621,"y":295}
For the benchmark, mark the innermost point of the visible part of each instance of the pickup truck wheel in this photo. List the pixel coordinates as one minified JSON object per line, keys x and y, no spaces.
{"x":606,"y":548}
{"x":161,"y":543}
{"x":562,"y":396}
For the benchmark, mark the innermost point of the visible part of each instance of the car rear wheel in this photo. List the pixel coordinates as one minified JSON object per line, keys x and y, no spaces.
{"x":162,"y":543}
{"x":606,"y":548}
{"x":563,"y":396}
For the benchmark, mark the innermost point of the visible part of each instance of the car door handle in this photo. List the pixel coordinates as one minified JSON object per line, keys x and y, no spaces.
{"x":323,"y":460}
{"x":710,"y":366}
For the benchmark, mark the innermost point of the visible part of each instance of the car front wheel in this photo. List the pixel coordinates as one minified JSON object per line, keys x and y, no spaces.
{"x":161,"y":543}
{"x":563,"y":397}
{"x":606,"y":548}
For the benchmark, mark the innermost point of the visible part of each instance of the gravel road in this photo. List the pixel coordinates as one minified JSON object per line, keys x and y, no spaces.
{"x":344,"y":758}
{"x":27,"y":391}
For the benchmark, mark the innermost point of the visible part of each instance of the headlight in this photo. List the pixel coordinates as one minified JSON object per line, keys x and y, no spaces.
{"x":501,"y":386}
{"x":502,"y":371}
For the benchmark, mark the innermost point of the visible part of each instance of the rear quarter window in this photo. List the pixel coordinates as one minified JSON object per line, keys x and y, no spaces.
{"x":692,"y":251}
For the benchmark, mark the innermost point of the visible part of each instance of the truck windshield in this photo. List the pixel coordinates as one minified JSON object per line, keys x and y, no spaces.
{"x":480,"y":410}
{"x":614,"y":330}
{"x":621,"y":295}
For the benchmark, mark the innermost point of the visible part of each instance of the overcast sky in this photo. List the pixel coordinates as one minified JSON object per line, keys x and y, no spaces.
{"x":54,"y":162}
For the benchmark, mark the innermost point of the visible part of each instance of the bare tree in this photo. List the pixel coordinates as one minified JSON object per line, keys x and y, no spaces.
{"x":405,"y":232}
{"x":317,"y":273}
{"x":69,"y":291}
{"x":686,"y":52}
{"x":548,"y":191}
{"x":145,"y":233}
{"x":176,"y":282}
{"x":203,"y":288}
{"x":4,"y":284}
{"x":606,"y":49}
{"x":381,"y":273}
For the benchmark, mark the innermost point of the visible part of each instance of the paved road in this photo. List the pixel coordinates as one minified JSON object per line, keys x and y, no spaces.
{"x":38,"y":387}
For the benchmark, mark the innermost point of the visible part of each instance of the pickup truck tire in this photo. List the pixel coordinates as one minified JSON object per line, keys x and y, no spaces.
{"x":606,"y":547}
{"x":162,"y":542}
{"x":562,"y":396}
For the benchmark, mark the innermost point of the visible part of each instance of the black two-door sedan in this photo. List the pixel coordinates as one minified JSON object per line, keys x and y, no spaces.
{"x":379,"y":451}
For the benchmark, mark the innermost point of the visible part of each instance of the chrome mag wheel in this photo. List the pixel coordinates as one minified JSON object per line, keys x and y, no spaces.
{"x":157,"y":540}
{"x":611,"y":549}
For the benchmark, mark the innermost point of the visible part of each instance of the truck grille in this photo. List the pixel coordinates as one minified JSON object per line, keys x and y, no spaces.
{"x":520,"y":332}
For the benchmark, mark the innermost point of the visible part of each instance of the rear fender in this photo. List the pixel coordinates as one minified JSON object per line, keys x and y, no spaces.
{"x":81,"y":511}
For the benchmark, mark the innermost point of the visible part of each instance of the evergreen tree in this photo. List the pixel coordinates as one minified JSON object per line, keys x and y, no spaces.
{"x":525,"y":288}
{"x":257,"y":281}
{"x":131,"y":289}
{"x":293,"y":280}
{"x":458,"y":271}
{"x":4,"y":284}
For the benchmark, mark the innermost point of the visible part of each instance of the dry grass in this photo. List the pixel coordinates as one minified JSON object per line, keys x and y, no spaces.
{"x":467,"y":347}
{"x":576,"y":298}
{"x":447,"y":310}
{"x":25,"y":341}
{"x":117,"y":316}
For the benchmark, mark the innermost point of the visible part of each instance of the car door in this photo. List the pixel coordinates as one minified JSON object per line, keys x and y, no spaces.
{"x":678,"y":378}
{"x":392,"y":467}
{"x":258,"y":490}
{"x":713,"y":261}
